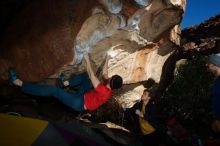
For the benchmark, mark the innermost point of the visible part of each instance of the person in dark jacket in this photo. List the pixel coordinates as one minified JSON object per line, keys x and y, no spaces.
{"x":146,"y":122}
{"x":213,"y":65}
{"x":142,"y":120}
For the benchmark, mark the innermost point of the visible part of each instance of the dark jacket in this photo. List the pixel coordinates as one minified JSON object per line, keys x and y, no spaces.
{"x":216,"y":98}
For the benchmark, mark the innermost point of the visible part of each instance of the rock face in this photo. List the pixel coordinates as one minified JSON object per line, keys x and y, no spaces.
{"x":139,"y":34}
{"x":40,"y":39}
{"x":204,"y":38}
{"x":141,"y":47}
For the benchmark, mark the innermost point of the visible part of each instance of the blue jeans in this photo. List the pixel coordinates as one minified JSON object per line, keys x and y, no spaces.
{"x":74,"y":100}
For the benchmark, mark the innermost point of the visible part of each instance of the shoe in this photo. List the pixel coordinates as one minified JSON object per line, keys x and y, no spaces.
{"x":60,"y":81}
{"x":12,"y":76}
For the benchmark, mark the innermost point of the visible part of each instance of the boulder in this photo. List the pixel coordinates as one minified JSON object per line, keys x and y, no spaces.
{"x":140,"y":35}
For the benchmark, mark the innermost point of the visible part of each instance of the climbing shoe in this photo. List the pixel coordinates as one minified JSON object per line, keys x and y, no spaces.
{"x":60,"y":80}
{"x":11,"y":75}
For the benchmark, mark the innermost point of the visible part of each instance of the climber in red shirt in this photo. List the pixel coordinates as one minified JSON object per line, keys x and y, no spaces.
{"x":101,"y":92}
{"x":91,"y":94}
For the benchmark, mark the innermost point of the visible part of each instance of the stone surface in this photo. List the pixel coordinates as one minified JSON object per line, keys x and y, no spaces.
{"x":141,"y":36}
{"x":38,"y":43}
{"x":204,"y":38}
{"x":134,"y":56}
{"x":60,"y":33}
{"x":143,"y":45}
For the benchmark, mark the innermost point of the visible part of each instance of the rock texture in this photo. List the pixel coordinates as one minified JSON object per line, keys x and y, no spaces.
{"x":38,"y":43}
{"x":136,"y":56}
{"x":64,"y":32}
{"x":141,"y":47}
{"x":204,"y":38}
{"x":142,"y":44}
{"x":140,"y":35}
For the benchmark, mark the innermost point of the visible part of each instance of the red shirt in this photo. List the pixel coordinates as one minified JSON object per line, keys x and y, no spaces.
{"x":96,"y":97}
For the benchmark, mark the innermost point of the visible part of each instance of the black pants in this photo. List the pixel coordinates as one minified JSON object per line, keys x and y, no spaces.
{"x":155,"y":138}
{"x":152,"y":139}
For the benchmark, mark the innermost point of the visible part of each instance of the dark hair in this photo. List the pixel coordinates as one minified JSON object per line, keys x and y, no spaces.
{"x":151,"y":93}
{"x":116,"y":82}
{"x":146,"y":90}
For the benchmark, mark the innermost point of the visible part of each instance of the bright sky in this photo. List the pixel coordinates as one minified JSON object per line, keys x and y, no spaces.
{"x":199,"y":10}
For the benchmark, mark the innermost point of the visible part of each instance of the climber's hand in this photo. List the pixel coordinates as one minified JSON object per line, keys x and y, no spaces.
{"x":86,"y":57}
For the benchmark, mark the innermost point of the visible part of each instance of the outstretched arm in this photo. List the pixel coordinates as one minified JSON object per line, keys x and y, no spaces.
{"x":105,"y":68}
{"x":93,"y":78}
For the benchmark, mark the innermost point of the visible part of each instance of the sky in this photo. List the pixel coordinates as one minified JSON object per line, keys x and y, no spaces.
{"x":199,"y":10}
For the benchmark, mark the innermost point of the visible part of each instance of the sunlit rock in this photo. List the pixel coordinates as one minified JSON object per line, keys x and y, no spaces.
{"x":129,"y":98}
{"x":139,"y":38}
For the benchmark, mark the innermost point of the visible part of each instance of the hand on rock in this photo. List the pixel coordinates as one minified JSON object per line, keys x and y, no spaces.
{"x":86,"y":57}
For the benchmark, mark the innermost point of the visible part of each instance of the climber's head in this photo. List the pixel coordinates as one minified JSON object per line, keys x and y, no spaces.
{"x":213,"y":64}
{"x":146,"y":95}
{"x":116,"y":82}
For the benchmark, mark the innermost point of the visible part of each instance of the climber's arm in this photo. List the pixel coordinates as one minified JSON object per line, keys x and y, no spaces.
{"x":93,"y":78}
{"x":105,"y":68}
